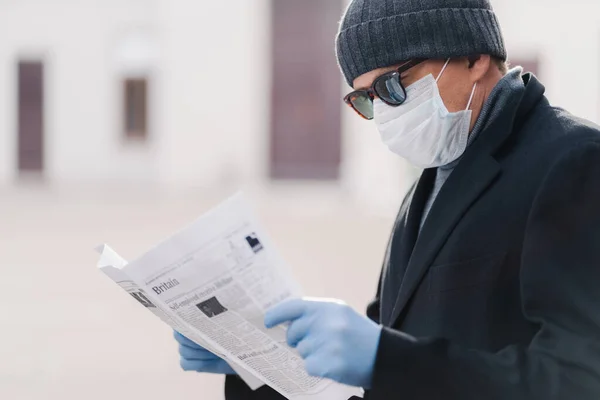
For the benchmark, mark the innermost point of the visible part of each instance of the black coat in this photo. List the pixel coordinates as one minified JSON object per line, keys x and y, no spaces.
{"x":498,"y":297}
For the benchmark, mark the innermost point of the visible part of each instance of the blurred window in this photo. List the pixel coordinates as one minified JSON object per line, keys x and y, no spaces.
{"x":136,"y":108}
{"x":31,"y":116}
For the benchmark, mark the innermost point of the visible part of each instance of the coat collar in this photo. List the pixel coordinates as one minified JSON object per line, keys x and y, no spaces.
{"x":475,"y":173}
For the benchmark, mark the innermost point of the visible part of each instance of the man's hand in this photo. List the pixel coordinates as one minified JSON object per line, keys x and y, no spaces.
{"x":334,"y":340}
{"x":196,"y":358}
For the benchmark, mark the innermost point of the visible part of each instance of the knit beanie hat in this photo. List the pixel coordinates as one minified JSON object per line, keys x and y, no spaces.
{"x":381,"y":33}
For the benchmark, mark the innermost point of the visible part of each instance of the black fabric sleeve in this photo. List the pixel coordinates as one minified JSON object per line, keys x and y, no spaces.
{"x":236,"y":389}
{"x":560,"y":287}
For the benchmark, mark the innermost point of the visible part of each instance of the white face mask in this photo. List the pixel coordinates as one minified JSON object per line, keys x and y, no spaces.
{"x":422,"y":130}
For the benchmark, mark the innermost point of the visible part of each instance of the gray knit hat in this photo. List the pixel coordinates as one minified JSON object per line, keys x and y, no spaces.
{"x":380,"y":33}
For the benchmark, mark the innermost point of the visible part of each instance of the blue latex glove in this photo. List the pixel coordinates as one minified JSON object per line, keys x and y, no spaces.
{"x":334,"y":340}
{"x":197,"y":358}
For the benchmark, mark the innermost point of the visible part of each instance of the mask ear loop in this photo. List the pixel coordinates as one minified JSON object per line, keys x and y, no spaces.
{"x":472,"y":91}
{"x":472,"y":94}
{"x":442,"y":71}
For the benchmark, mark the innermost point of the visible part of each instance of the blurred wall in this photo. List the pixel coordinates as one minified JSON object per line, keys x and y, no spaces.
{"x":566,"y":38}
{"x":210,"y":94}
{"x":77,"y":41}
{"x":214,"y":94}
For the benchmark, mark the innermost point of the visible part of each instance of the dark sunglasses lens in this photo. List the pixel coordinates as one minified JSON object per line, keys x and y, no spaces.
{"x":390,"y":90}
{"x":363,"y":104}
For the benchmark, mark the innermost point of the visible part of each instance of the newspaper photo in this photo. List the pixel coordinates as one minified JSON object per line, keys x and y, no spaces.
{"x":213,"y":282}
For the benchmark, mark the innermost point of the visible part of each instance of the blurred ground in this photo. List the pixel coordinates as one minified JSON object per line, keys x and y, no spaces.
{"x":67,"y":332}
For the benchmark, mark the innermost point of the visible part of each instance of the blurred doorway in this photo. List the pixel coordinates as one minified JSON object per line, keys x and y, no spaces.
{"x":30,"y":118}
{"x":306,"y":90}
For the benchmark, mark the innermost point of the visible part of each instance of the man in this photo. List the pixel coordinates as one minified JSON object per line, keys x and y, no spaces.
{"x":490,"y":286}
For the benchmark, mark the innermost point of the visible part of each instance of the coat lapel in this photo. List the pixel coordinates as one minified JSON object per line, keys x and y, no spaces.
{"x":453,"y":201}
{"x":474,"y":174}
{"x":403,"y":242}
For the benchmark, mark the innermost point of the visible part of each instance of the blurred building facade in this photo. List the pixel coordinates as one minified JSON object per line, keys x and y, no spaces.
{"x":205,"y":93}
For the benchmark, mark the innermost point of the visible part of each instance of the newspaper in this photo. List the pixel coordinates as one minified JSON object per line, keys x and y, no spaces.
{"x":111,"y":264}
{"x":213,"y":282}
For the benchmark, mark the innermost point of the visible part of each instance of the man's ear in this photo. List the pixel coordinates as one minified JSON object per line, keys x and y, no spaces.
{"x":479,"y":66}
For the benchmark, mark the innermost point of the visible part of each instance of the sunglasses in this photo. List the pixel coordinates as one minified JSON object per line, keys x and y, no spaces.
{"x":388,"y":87}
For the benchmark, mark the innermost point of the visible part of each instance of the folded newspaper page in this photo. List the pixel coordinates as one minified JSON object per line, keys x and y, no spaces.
{"x":213,"y":282}
{"x":111,"y":264}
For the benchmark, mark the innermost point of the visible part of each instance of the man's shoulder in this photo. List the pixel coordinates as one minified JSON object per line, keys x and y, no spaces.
{"x":571,"y":125}
{"x":554,"y":131}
